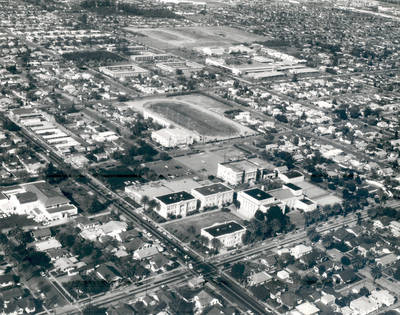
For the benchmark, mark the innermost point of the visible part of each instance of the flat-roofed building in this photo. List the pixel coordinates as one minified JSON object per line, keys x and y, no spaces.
{"x":123,"y":71}
{"x":176,"y":204}
{"x":213,"y":195}
{"x":237,"y":172}
{"x":292,"y":177}
{"x":172,"y":137}
{"x":229,"y":233}
{"x":252,"y":200}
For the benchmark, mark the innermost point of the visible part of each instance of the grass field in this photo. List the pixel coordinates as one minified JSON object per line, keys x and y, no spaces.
{"x":183,"y":229}
{"x":197,"y":36}
{"x":193,"y":119}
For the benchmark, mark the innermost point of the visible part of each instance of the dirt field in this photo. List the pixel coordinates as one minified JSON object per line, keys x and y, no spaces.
{"x":196,"y":113}
{"x":189,"y":37}
{"x":180,"y":228}
{"x":190,"y":118}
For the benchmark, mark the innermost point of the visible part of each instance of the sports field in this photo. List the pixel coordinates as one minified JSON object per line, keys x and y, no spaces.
{"x":198,"y":114}
{"x":193,"y":119}
{"x":197,"y":36}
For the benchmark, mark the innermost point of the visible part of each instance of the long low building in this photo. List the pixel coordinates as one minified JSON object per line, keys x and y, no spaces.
{"x":123,"y":71}
{"x":172,"y":137}
{"x":39,"y":200}
{"x":229,"y":234}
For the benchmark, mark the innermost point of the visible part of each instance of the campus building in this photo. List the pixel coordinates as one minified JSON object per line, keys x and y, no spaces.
{"x":237,"y":172}
{"x":214,"y":195}
{"x":38,"y":200}
{"x":229,"y":233}
{"x":169,"y":138}
{"x":176,"y":204}
{"x":252,"y":200}
{"x":123,"y":71}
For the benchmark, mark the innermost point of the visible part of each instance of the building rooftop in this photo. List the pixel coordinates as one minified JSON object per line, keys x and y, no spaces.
{"x":212,"y":189}
{"x":293,"y":174}
{"x":242,"y":165}
{"x":26,"y":197}
{"x":175,"y":197}
{"x":47,"y":194}
{"x":293,"y":187}
{"x":224,"y":228}
{"x":258,"y":194}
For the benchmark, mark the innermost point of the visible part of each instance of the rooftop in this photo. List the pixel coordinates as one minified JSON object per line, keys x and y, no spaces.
{"x":240,"y":166}
{"x":212,"y":189}
{"x":26,"y":197}
{"x":175,"y":197}
{"x":258,"y":194}
{"x":293,"y":187}
{"x":293,"y":174}
{"x":224,"y":228}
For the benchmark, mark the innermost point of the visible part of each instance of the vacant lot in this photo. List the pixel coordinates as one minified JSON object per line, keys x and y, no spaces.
{"x":193,"y":119}
{"x":197,"y":36}
{"x":186,"y":229}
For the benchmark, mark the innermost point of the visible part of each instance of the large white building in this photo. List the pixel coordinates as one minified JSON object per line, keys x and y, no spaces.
{"x":172,"y":137}
{"x":215,"y":195}
{"x":229,"y":233}
{"x":291,"y":177}
{"x":252,"y":200}
{"x":237,"y":172}
{"x":38,"y":199}
{"x":123,"y":71}
{"x":176,"y":204}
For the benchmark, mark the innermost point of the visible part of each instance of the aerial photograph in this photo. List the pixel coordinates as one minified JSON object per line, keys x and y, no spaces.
{"x":205,"y":157}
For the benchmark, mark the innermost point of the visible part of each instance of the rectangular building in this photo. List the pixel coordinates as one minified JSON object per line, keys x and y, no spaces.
{"x":123,"y":71}
{"x":252,"y":200}
{"x":229,"y":233}
{"x":169,"y":138}
{"x":237,"y":172}
{"x":215,"y":195}
{"x":176,"y":204}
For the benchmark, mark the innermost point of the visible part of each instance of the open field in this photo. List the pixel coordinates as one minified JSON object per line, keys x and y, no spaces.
{"x":190,"y":37}
{"x":206,"y":163}
{"x":182,"y":228}
{"x":197,"y":114}
{"x":193,"y":119}
{"x":319,"y":195}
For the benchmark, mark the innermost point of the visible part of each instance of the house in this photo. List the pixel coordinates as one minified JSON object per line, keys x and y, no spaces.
{"x":145,"y":252}
{"x":123,"y":309}
{"x":215,"y":195}
{"x":47,"y":244}
{"x":114,"y":229}
{"x":289,"y":299}
{"x":84,"y":223}
{"x":7,"y":280}
{"x":109,"y":274}
{"x":204,"y":299}
{"x":327,"y":299}
{"x":300,"y":250}
{"x":41,"y":234}
{"x":386,"y":260}
{"x":158,"y":262}
{"x":229,"y":234}
{"x":382,"y":297}
{"x":176,"y":204}
{"x":307,"y":308}
{"x":9,"y":295}
{"x":363,"y":306}
{"x":346,"y":276}
{"x":258,"y":278}
{"x":252,"y":200}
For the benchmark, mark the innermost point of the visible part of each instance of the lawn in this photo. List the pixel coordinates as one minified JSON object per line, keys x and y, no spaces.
{"x":186,"y":229}
{"x":193,"y":119}
{"x":16,"y":220}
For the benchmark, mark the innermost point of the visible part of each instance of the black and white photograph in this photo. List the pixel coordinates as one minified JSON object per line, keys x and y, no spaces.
{"x":200,"y":157}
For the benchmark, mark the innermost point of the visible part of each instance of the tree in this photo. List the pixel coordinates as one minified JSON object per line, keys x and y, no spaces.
{"x":94,"y":310}
{"x":345,"y":260}
{"x":216,"y":244}
{"x":145,"y":201}
{"x":237,"y":271}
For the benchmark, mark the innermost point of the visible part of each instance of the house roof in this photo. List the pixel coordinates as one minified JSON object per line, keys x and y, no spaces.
{"x":293,"y":186}
{"x":293,"y":174}
{"x":224,"y":228}
{"x":175,"y":197}
{"x":212,"y":189}
{"x":40,"y":233}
